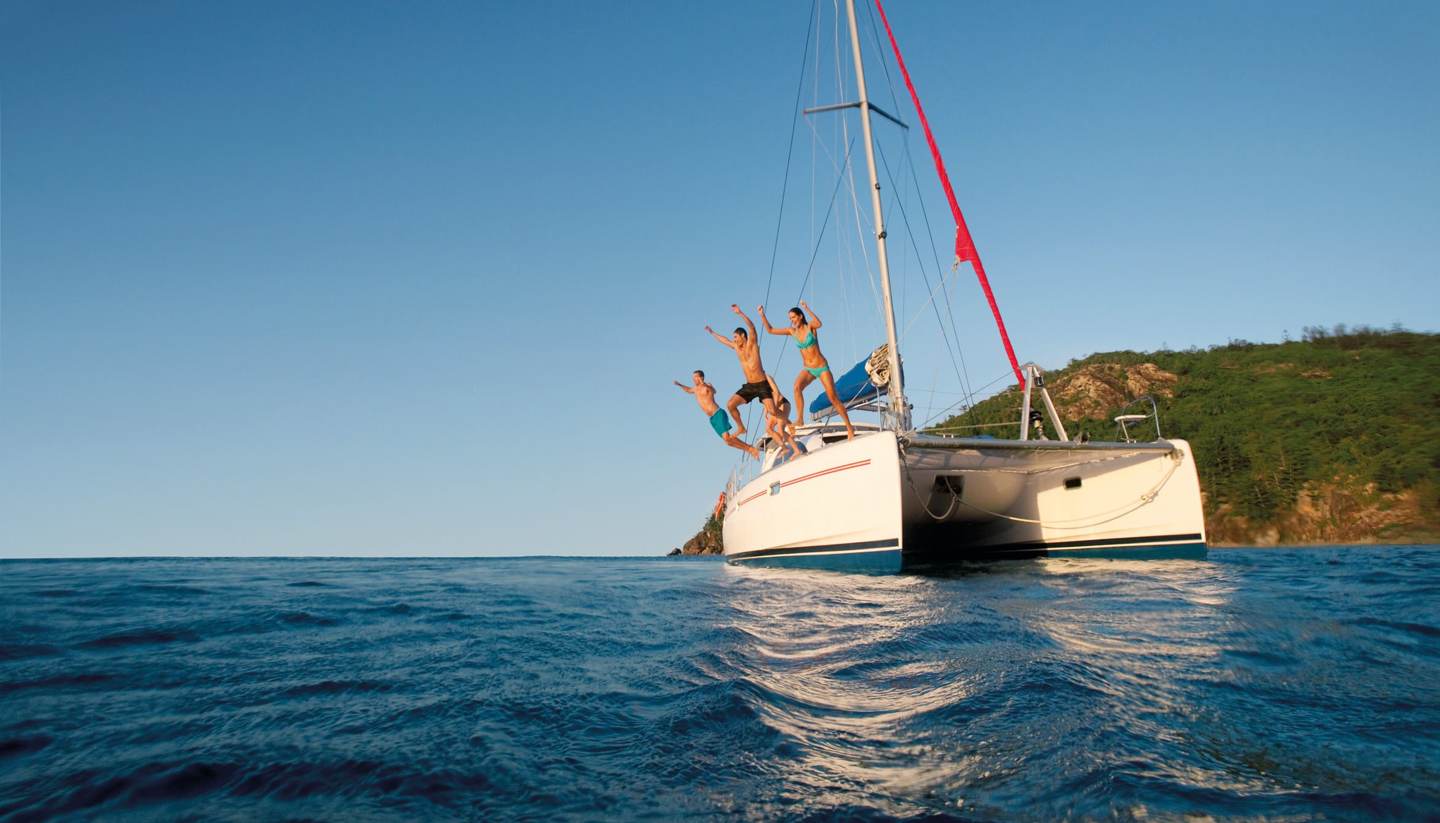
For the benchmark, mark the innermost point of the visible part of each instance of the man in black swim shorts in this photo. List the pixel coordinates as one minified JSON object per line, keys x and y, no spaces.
{"x":750,"y":391}
{"x":746,"y":345}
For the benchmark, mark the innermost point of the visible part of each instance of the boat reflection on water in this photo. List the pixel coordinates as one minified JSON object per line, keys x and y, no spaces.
{"x":995,"y":684}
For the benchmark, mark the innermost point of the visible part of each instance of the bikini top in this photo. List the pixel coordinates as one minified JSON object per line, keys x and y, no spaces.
{"x":807,"y":342}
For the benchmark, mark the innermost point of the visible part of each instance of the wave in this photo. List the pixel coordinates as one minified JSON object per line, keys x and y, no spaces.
{"x":329,"y":687}
{"x":21,"y":651}
{"x":298,"y":618}
{"x":169,"y":588}
{"x":57,"y":681}
{"x":143,"y":637}
{"x":15,"y":746}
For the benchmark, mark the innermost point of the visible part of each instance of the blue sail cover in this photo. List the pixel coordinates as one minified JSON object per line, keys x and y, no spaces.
{"x":852,"y":386}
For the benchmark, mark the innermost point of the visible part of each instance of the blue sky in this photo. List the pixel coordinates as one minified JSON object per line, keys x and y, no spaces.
{"x":376,"y":278}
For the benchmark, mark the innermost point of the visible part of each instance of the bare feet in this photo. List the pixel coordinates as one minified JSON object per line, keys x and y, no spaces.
{"x":740,"y":430}
{"x":754,"y":452}
{"x":849,"y":432}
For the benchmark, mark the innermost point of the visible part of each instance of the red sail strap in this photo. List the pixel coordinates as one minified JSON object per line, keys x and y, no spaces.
{"x":964,"y":245}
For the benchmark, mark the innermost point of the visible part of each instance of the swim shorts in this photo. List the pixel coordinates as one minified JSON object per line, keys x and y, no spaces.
{"x":720,"y":422}
{"x":750,"y":391}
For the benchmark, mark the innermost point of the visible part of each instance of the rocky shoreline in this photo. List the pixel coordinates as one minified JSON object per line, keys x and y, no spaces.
{"x":705,"y":541}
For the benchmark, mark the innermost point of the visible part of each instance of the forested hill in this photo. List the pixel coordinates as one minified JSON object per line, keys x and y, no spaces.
{"x":1334,"y":438}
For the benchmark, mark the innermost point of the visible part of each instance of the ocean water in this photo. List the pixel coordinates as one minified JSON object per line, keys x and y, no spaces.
{"x":1257,"y":684}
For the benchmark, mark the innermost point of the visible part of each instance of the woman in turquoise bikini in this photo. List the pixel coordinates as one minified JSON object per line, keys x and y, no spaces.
{"x":802,"y":331}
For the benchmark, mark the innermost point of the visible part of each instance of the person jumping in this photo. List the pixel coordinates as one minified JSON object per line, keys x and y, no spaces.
{"x":747,"y":348}
{"x":705,"y":396}
{"x":802,"y":331}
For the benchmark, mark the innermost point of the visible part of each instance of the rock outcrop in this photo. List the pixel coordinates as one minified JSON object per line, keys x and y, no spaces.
{"x":705,"y":541}
{"x":1092,"y":391}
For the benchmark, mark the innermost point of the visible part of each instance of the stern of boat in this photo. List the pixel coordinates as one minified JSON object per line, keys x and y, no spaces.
{"x":976,"y":500}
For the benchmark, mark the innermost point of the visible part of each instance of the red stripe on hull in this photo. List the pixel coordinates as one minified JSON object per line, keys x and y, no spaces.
{"x":801,"y":479}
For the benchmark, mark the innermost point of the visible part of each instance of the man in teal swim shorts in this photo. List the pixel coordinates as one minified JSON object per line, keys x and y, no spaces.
{"x":719,"y":421}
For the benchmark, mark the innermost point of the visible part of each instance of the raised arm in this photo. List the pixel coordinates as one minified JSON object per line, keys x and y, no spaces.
{"x":766,"y":322}
{"x":751,"y":326}
{"x":809,"y":312}
{"x":683,"y":387}
{"x":724,"y":341}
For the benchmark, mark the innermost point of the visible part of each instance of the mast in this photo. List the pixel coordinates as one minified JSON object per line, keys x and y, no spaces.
{"x":897,"y":390}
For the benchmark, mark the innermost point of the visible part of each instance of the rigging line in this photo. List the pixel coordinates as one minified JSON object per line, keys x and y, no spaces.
{"x":966,"y":383}
{"x":910,"y":231}
{"x":845,"y":264}
{"x":928,"y":303}
{"x":814,"y":99}
{"x":860,"y":233}
{"x":844,"y":252}
{"x":945,"y":392}
{"x":844,"y":123}
{"x":981,"y":389}
{"x":962,"y":400}
{"x":969,"y":426}
{"x":829,"y":211}
{"x":884,"y":64}
{"x":816,"y":253}
{"x":844,"y":282}
{"x":789,"y":153}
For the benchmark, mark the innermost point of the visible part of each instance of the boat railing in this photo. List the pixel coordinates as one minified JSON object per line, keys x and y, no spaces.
{"x":812,"y":436}
{"x":1131,"y":427}
{"x":1126,"y":423}
{"x":965,"y":429}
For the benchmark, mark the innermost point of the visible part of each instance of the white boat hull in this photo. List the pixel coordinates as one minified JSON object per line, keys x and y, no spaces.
{"x":837,"y":508}
{"x":884,"y":503}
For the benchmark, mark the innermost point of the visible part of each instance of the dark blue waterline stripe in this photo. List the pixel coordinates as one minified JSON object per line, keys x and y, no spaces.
{"x":823,"y":549}
{"x":1162,"y":551}
{"x":1042,"y":545}
{"x":1120,"y":541}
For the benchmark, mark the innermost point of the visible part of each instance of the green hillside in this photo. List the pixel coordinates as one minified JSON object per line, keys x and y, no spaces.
{"x":1332,"y":438}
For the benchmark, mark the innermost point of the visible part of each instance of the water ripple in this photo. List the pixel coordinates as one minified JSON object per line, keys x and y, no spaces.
{"x":1274,"y":684}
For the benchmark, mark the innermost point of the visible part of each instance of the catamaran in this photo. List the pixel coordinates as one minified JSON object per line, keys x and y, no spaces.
{"x":896,"y":497}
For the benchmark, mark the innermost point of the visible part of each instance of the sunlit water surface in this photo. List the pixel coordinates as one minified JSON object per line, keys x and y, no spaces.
{"x":1270,"y":684}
